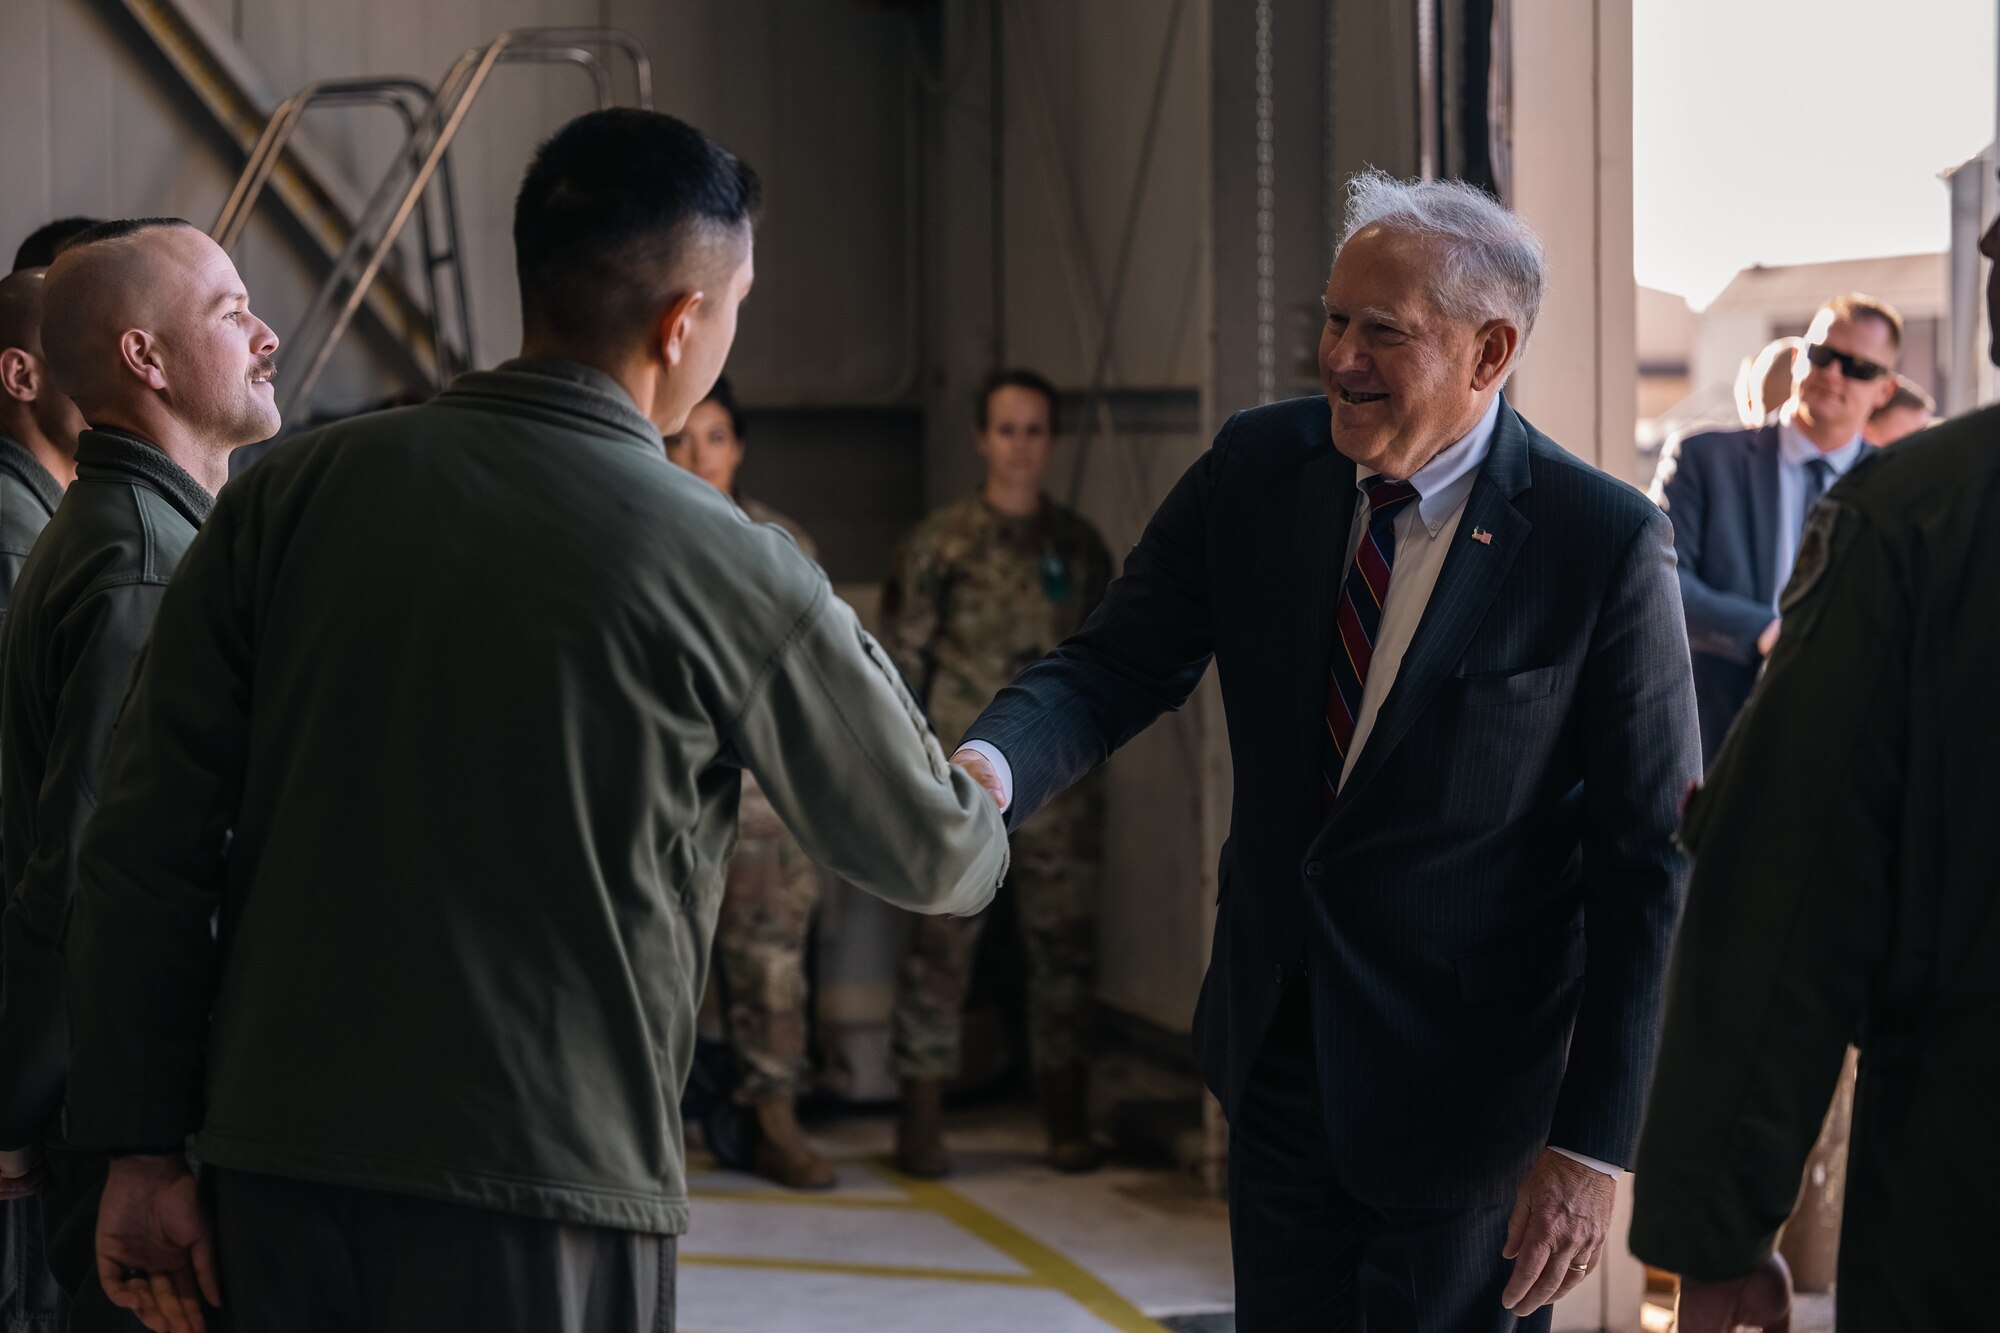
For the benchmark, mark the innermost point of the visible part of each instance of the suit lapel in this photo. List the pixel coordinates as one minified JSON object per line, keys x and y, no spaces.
{"x":1324,"y":523}
{"x":1472,"y":576}
{"x":1762,"y":497}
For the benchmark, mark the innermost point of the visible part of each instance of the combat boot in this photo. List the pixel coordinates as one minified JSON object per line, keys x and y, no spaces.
{"x":920,"y":1148}
{"x":1066,"y":1103}
{"x":782,"y":1153}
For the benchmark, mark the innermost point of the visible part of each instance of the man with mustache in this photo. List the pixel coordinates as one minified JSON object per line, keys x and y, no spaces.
{"x":148,"y":330}
{"x":444,"y":723}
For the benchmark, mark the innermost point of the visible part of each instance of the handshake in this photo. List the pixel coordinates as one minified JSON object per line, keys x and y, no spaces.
{"x":983,"y":773}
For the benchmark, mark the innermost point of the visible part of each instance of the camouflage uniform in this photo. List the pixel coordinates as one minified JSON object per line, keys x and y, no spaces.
{"x":973,"y":597}
{"x":760,"y":935}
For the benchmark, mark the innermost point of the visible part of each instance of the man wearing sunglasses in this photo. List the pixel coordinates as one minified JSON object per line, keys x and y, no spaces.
{"x":1844,"y":893}
{"x":1739,"y":498}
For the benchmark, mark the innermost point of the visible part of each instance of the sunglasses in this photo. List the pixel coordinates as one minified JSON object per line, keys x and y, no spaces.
{"x":1854,"y":367}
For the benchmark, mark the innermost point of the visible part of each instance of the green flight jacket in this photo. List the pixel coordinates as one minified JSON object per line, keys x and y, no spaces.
{"x":28,"y":498}
{"x":447,"y":714}
{"x":1845,"y":890}
{"x":80,"y":614}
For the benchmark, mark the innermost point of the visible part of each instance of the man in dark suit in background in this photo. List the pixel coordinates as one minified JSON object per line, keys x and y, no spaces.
{"x":1739,"y":498}
{"x":1844,"y":884}
{"x":1461,"y":716}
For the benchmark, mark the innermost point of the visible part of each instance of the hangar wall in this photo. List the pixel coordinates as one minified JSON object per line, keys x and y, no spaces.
{"x":950,"y":184}
{"x":879,"y":276}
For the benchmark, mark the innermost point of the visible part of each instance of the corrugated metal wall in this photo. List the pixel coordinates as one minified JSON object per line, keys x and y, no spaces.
{"x":814,"y":95}
{"x":876,"y":261}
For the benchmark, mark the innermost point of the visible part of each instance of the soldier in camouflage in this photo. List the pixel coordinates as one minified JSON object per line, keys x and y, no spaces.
{"x":978,"y":591}
{"x":771,"y":889}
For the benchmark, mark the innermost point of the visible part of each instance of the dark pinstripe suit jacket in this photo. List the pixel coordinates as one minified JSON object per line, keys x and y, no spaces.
{"x":1486,"y":912}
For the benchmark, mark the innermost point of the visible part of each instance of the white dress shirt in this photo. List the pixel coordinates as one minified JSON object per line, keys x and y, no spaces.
{"x":1423,"y":537}
{"x":1424,"y":532}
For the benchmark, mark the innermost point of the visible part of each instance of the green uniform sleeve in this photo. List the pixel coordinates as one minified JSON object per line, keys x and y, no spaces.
{"x":90,"y":654}
{"x":846,"y":759}
{"x":142,"y":954}
{"x":1788,"y":916}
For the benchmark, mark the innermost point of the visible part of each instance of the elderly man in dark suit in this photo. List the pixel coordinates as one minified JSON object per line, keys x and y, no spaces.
{"x":1739,"y":498}
{"x":1460,"y":710}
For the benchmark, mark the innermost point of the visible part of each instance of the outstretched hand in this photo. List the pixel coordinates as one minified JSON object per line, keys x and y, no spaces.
{"x":155,"y":1252}
{"x":1761,"y":1299}
{"x":982,"y":773}
{"x":1556,"y":1236}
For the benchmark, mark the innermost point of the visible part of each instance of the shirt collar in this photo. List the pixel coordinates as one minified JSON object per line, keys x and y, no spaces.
{"x":1794,"y":448}
{"x":1443,"y":483}
{"x":15,"y":458}
{"x":105,"y":452}
{"x":559,"y":385}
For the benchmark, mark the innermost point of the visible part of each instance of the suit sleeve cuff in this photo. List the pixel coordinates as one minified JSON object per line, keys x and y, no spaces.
{"x":1591,"y":1162}
{"x":1000,"y":767}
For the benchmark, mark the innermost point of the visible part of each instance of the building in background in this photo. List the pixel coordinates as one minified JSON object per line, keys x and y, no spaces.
{"x":1688,"y":359}
{"x":1762,"y":303}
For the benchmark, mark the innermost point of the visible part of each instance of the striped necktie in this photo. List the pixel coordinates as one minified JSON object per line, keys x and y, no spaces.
{"x":1819,"y":475}
{"x":1359,"y":618}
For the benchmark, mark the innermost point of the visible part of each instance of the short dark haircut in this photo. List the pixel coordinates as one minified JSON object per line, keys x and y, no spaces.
{"x":119,"y":228}
{"x":45,"y":242}
{"x":611,"y":213}
{"x":724,"y":397}
{"x":1908,"y":393}
{"x":1016,"y":378}
{"x":1856,"y":305}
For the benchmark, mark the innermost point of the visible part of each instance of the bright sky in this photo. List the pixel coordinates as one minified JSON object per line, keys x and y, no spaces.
{"x":1792,"y":131}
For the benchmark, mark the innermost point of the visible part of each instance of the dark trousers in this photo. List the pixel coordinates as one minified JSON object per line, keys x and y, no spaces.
{"x":30,"y":1301}
{"x":1311,"y":1259}
{"x":298,"y":1257}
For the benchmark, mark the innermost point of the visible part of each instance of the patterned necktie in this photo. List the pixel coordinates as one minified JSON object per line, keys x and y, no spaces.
{"x":1819,"y":474}
{"x":1359,"y":618}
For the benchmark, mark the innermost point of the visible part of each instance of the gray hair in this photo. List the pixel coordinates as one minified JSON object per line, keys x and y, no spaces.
{"x":1492,"y":265}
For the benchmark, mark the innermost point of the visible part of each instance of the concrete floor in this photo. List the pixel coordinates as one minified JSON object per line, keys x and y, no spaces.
{"x":1003,"y":1245}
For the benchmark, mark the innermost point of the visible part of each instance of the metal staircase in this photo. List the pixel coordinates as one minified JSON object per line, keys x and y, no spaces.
{"x":360,"y":263}
{"x":424,"y":307}
{"x":446,"y":343}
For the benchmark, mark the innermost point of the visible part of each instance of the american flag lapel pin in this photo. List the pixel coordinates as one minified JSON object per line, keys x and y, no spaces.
{"x":1482,"y":536}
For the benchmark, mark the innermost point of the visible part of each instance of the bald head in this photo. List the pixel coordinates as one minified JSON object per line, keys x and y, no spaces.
{"x":32,"y":411}
{"x":105,"y":285}
{"x":148,"y":327}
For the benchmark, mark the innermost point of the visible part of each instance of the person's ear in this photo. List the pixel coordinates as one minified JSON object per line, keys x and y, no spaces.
{"x":1885,"y":389}
{"x":1498,"y":340}
{"x":676,"y":325}
{"x":17,"y":375}
{"x":140,"y":353}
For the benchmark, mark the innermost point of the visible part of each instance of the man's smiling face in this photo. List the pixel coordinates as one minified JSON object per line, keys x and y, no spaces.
{"x":1398,"y":372}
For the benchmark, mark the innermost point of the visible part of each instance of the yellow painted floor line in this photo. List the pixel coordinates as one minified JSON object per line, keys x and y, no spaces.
{"x":900,"y":1272}
{"x":800,"y":1198}
{"x":1046,"y":1267}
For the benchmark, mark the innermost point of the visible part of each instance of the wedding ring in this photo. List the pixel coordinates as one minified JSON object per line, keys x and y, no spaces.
{"x":1579,"y":1268}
